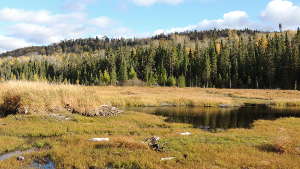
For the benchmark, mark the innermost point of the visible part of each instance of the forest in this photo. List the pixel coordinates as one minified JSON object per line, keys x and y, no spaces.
{"x":214,"y":58}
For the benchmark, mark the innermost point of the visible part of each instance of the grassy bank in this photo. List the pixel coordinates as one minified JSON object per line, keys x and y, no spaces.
{"x":43,"y":98}
{"x":270,"y":144}
{"x":64,"y":138}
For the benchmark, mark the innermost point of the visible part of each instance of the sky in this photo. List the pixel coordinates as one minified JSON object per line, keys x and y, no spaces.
{"x":42,"y":22}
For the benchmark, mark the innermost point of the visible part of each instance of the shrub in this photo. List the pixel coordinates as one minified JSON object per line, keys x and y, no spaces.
{"x":11,"y":104}
{"x":281,"y":144}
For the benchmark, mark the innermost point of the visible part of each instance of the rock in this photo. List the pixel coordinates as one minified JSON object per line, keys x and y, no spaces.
{"x":99,"y":139}
{"x":106,"y":110}
{"x":103,"y":110}
{"x":204,"y":127}
{"x":20,"y":158}
{"x":167,"y":158}
{"x":69,"y":108}
{"x":224,"y":105}
{"x":22,"y":110}
{"x":153,"y":140}
{"x":153,"y":143}
{"x":185,"y":134}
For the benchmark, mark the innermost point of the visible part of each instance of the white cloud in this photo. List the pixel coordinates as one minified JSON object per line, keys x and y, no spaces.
{"x":39,"y":34}
{"x":102,"y":22}
{"x":282,"y":11}
{"x":233,"y":19}
{"x":77,"y":5}
{"x":37,"y":17}
{"x":42,"y":27}
{"x":152,"y":2}
{"x":277,"y":11}
{"x":9,"y":43}
{"x":26,"y":28}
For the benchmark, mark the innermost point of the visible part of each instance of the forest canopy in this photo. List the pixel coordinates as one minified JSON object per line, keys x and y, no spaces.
{"x":214,"y":58}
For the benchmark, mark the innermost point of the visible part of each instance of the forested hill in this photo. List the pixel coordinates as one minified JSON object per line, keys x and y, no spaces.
{"x":95,"y":44}
{"x":215,"y":58}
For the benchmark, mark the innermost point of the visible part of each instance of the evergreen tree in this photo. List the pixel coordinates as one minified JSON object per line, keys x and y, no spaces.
{"x":163,"y":77}
{"x":132,"y":74}
{"x":105,"y":78}
{"x":113,"y":76}
{"x":171,"y":81}
{"x":181,"y":81}
{"x":206,"y":73}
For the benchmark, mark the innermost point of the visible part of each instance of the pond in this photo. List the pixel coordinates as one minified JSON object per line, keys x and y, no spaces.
{"x":14,"y":154}
{"x":213,"y":119}
{"x":43,"y":164}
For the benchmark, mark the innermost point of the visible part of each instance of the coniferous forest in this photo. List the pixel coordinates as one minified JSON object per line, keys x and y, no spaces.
{"x":215,"y":58}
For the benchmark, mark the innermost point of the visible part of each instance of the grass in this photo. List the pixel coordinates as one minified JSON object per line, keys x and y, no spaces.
{"x":40,"y":97}
{"x":268,"y":145}
{"x":68,"y":146}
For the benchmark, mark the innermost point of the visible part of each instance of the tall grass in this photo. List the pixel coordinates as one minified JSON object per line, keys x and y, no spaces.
{"x":42,"y":97}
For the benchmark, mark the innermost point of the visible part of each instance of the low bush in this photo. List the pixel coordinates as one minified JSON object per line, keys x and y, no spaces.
{"x":11,"y":105}
{"x":281,"y":144}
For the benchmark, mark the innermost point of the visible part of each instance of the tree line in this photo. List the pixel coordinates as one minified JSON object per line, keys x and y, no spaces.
{"x":216,"y":58}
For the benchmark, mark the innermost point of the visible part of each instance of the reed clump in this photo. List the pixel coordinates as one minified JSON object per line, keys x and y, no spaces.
{"x":42,"y":97}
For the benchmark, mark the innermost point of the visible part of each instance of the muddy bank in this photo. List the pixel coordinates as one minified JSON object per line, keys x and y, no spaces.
{"x":15,"y":154}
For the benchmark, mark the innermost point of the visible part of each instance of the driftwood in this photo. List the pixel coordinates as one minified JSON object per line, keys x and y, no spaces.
{"x":102,"y":111}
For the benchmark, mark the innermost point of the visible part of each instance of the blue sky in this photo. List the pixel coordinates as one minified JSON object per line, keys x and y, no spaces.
{"x":36,"y":22}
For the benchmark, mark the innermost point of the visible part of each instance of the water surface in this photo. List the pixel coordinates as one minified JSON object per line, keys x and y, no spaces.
{"x":220,"y":118}
{"x":15,"y":154}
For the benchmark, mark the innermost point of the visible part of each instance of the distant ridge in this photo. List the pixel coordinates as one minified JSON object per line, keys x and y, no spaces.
{"x":94,"y":44}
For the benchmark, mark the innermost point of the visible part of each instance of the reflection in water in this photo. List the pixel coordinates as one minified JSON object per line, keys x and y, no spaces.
{"x":44,"y":164}
{"x":220,"y":118}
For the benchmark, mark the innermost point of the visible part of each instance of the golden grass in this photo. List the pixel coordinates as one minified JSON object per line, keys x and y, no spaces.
{"x":42,"y":97}
{"x":277,"y":98}
{"x":268,"y":145}
{"x":46,"y":97}
{"x":235,"y":148}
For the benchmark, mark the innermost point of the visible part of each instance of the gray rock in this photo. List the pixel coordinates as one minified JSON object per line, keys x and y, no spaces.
{"x":103,"y":111}
{"x":20,"y":158}
{"x":224,"y":105}
{"x":22,"y":110}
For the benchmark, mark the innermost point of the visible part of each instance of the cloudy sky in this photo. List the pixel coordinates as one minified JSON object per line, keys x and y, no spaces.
{"x":41,"y":22}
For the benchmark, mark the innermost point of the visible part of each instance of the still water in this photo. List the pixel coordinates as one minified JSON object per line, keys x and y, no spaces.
{"x":220,"y":118}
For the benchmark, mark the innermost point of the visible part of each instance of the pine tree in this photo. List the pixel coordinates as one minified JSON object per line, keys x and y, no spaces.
{"x":181,"y":81}
{"x":123,"y":71}
{"x":206,"y":73}
{"x":132,"y":74}
{"x":113,"y":76}
{"x":105,"y":78}
{"x":171,"y":81}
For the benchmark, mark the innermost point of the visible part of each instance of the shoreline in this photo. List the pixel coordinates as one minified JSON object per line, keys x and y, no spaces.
{"x":40,"y":97}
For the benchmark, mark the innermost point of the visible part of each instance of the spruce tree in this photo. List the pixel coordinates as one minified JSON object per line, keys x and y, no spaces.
{"x":181,"y":81}
{"x":132,"y":74}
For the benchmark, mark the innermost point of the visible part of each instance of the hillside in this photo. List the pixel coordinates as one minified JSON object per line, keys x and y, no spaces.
{"x":94,"y":44}
{"x":215,"y":58}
